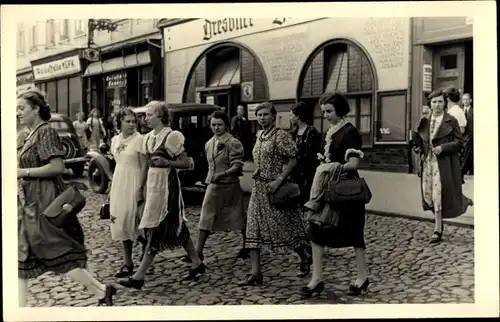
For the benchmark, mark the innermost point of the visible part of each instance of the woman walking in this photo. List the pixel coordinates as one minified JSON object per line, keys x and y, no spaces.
{"x":81,"y":129}
{"x":127,"y":186}
{"x":308,"y":141}
{"x":163,"y":216}
{"x":97,"y":130}
{"x":441,"y":180}
{"x":342,"y":146}
{"x":270,"y":226}
{"x":222,"y":208}
{"x":42,"y":246}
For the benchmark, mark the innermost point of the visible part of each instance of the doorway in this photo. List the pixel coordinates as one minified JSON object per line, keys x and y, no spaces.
{"x":226,"y":99}
{"x":449,"y":64}
{"x":469,"y":69}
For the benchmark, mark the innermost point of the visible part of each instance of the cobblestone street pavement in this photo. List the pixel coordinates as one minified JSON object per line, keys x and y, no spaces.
{"x":403,"y":268}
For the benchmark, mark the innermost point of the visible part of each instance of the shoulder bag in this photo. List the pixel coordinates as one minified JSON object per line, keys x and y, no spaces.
{"x":67,"y":205}
{"x":347,"y":190}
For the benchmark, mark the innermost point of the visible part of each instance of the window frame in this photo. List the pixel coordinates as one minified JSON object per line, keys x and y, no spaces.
{"x":21,"y":40}
{"x":33,"y":33}
{"x":50,"y":33}
{"x":63,"y":30}
{"x":80,"y":31}
{"x":377,"y":121}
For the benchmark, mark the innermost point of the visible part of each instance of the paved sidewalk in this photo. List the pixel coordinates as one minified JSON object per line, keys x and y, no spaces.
{"x":394,"y":194}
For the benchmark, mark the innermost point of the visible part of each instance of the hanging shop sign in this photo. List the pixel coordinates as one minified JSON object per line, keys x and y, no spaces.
{"x":247,"y":91}
{"x":116,"y":80}
{"x":58,"y":68}
{"x":24,"y":79}
{"x":427,"y":78}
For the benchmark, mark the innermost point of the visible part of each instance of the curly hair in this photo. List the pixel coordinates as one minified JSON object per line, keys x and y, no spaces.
{"x":120,"y":116}
{"x":221,"y":116}
{"x":36,"y":99}
{"x":338,"y":101}
{"x":268,"y":105}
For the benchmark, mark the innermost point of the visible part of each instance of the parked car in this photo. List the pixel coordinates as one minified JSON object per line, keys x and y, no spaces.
{"x":74,"y":153}
{"x":189,"y":118}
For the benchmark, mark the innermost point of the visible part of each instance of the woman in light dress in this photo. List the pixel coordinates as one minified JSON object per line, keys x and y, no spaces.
{"x":127,"y":187}
{"x":222,"y":208}
{"x":163,"y":216}
{"x":81,"y":129}
{"x":96,"y":128}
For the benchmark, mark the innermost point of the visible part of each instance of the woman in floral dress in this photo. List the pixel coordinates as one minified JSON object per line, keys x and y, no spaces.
{"x":267,"y":225}
{"x":163,"y":215}
{"x":127,"y":186}
{"x":43,"y":246}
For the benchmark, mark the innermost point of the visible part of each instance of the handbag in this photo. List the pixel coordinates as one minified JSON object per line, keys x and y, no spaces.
{"x":347,"y":190}
{"x":285,"y":195}
{"x":56,"y":211}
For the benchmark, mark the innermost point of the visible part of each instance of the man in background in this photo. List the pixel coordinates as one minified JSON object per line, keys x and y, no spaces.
{"x":240,"y":129}
{"x":468,"y":136}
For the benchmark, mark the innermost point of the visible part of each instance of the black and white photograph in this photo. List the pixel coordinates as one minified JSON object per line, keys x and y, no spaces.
{"x":250,"y":163}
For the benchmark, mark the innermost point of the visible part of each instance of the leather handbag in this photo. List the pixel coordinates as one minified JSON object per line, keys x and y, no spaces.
{"x":347,"y":190}
{"x":285,"y":195}
{"x":67,"y":205}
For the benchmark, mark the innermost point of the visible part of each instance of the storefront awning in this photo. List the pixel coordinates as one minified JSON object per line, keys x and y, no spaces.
{"x":110,"y":65}
{"x":226,"y":73}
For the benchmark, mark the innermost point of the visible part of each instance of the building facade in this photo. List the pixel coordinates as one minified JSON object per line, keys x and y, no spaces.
{"x":51,"y":54}
{"x":246,"y":61}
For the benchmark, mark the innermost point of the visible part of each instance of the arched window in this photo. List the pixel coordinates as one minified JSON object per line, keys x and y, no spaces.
{"x":341,"y":67}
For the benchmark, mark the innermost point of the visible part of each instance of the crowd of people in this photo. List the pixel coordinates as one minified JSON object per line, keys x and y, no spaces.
{"x":290,"y":208}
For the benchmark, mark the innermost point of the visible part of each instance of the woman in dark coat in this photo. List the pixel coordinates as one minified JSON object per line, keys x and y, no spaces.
{"x":439,"y":146}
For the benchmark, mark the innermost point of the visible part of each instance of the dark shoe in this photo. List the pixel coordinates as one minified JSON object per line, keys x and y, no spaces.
{"x":125,"y":270}
{"x":305,"y":268}
{"x":132,"y":283}
{"x":244,"y":253}
{"x":355,"y":290}
{"x":308,"y":292}
{"x":252,"y":280}
{"x":193,"y":273}
{"x":186,"y":258}
{"x":436,"y":237}
{"x":108,"y":297}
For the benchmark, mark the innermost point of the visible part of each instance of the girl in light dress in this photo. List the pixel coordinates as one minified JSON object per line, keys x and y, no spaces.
{"x":97,"y":130}
{"x":127,"y":186}
{"x":81,"y":128}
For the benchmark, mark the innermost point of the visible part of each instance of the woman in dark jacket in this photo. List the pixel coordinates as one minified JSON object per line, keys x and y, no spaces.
{"x":439,"y":145}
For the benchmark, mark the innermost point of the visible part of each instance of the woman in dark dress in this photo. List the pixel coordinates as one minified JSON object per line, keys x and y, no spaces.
{"x":42,"y":246}
{"x":342,"y":145}
{"x":309,"y":142}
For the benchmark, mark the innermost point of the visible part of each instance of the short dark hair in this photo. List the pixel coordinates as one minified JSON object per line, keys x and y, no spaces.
{"x":120,"y":116}
{"x":221,"y":116}
{"x":435,"y":93}
{"x":453,"y":94}
{"x":338,"y":101}
{"x":36,"y":99}
{"x":299,"y":109}
{"x":268,"y":105}
{"x":161,"y":110}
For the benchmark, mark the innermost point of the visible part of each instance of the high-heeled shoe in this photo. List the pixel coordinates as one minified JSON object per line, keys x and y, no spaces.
{"x":437,"y":236}
{"x":125,"y":270}
{"x":193,"y":273}
{"x":357,"y":290}
{"x":305,"y":267}
{"x":187,"y":259}
{"x":107,"y":300}
{"x":132,"y":283}
{"x":252,"y":279}
{"x":308,"y":292}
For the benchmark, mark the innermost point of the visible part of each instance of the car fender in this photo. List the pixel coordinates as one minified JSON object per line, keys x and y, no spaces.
{"x":101,"y":162}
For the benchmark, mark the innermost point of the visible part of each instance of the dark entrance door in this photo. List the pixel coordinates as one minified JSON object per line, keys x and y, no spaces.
{"x":229,"y":99}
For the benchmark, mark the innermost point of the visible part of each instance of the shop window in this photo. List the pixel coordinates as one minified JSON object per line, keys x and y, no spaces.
{"x":449,"y":62}
{"x":146,"y":85}
{"x":80,"y":27}
{"x":52,"y":96}
{"x":50,"y":33}
{"x":75,"y":96}
{"x":391,"y":122}
{"x":62,"y":96}
{"x":21,"y":39}
{"x":63,"y":29}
